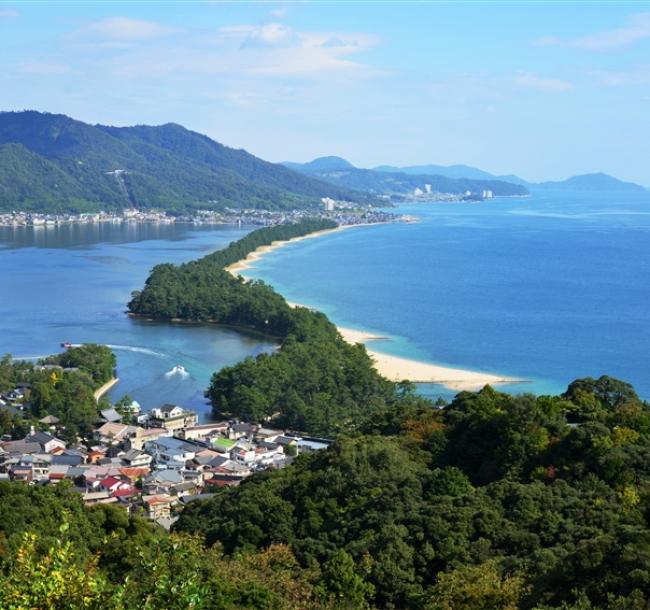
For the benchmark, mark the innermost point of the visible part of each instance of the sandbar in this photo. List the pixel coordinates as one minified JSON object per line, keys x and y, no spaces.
{"x":392,"y":367}
{"x":255,"y":255}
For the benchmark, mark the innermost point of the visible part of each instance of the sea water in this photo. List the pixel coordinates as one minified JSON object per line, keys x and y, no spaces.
{"x":547,"y":289}
{"x":72,"y":283}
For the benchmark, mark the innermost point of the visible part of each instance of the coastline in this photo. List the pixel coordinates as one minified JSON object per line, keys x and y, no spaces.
{"x":99,"y":392}
{"x":397,"y":368}
{"x":392,"y":367}
{"x":245,"y":263}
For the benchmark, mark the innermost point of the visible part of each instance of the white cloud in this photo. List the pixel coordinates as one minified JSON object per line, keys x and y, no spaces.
{"x":285,"y":68}
{"x":269,"y":35}
{"x":532,"y":81}
{"x":275,"y":49}
{"x":636,"y":28}
{"x":241,"y":50}
{"x":122,"y":30}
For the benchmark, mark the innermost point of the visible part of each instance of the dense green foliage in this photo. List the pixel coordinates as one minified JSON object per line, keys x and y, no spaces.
{"x":98,"y":361}
{"x":320,"y":385}
{"x":55,"y":554}
{"x":41,"y":510}
{"x":66,"y":394}
{"x":203,"y":291}
{"x":51,"y":163}
{"x":495,"y":502}
{"x":316,"y":382}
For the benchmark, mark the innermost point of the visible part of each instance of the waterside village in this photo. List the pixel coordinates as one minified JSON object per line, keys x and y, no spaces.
{"x":341,"y":212}
{"x":149,"y":463}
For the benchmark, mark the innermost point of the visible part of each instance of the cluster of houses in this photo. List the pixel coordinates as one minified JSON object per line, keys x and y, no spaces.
{"x":341,"y":212}
{"x":151,"y":469}
{"x":12,"y":401}
{"x":35,"y":219}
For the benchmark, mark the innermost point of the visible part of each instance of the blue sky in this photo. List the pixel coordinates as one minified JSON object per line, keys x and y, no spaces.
{"x":544,"y":90}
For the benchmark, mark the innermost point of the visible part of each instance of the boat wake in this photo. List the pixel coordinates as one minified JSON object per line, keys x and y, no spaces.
{"x":138,"y":350}
{"x":177,"y":371}
{"x":125,"y":348}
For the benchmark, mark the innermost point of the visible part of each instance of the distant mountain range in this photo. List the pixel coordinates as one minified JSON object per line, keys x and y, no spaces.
{"x":586,"y":182}
{"x":591,"y":182}
{"x":342,"y":173}
{"x":451,"y":171}
{"x":50,"y":162}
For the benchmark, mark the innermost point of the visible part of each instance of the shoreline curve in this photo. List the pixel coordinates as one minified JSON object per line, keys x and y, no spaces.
{"x":102,"y":390}
{"x":246,"y":263}
{"x":394,"y":368}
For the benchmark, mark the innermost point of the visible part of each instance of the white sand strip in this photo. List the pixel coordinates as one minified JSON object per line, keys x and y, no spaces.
{"x":394,"y":368}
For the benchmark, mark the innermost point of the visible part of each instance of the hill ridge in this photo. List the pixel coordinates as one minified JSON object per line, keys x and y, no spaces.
{"x":339,"y":171}
{"x":165,"y":166}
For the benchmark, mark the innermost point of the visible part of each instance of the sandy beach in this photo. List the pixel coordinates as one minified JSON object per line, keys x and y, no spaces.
{"x":255,"y":255}
{"x":394,"y":368}
{"x":99,"y":392}
{"x":398,"y":369}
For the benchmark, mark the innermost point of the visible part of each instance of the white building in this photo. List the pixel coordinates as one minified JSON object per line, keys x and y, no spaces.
{"x":329,"y":204}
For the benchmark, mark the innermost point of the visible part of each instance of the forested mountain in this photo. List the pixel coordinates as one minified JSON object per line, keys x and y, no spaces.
{"x":591,"y":182}
{"x":50,"y":162}
{"x":584,"y":182}
{"x":340,"y":172}
{"x":497,"y":502}
{"x":322,"y":164}
{"x":451,"y":171}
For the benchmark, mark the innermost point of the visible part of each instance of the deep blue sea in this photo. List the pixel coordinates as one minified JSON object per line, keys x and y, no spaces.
{"x":547,"y":288}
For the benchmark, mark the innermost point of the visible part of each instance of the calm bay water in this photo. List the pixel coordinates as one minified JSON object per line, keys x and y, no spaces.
{"x":547,"y":288}
{"x":72,"y":283}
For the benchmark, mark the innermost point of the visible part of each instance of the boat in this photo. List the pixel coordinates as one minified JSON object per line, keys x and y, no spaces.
{"x":178,"y":369}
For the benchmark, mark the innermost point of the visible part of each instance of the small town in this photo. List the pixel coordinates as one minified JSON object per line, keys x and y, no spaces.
{"x":341,"y":212}
{"x":149,"y":463}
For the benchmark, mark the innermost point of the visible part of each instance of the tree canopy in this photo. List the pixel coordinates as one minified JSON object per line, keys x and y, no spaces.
{"x":52,"y":163}
{"x":497,"y":501}
{"x":62,"y":385}
{"x":315,"y":383}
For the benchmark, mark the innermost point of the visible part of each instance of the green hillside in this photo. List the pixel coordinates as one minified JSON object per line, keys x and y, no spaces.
{"x":53,"y":163}
{"x":585,"y":182}
{"x":380,"y":182}
{"x":592,"y":182}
